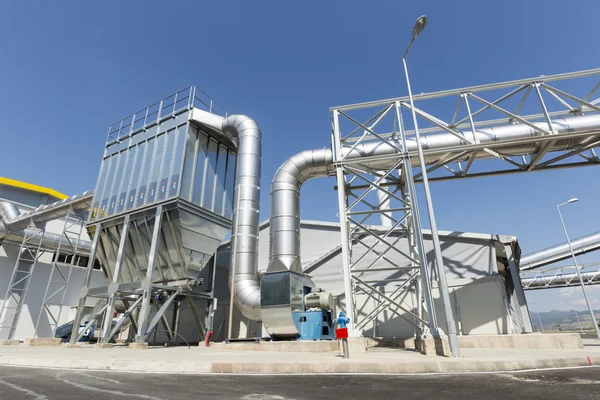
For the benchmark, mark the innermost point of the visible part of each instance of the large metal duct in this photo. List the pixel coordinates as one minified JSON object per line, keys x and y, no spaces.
{"x":246,"y":204}
{"x":484,"y":135}
{"x":14,"y":225}
{"x":560,"y":252}
{"x":285,"y":188}
{"x":284,"y":254}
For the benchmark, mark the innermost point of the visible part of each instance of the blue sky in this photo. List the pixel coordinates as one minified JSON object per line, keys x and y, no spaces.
{"x":69,"y":69}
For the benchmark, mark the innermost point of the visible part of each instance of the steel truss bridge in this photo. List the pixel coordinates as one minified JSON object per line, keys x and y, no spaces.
{"x":535,"y":124}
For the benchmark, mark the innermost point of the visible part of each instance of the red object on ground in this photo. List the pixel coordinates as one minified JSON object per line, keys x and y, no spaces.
{"x":207,"y":339}
{"x":341,"y":333}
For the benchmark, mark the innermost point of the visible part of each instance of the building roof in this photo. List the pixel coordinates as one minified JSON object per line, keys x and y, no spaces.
{"x":32,"y":188}
{"x":426,"y":232}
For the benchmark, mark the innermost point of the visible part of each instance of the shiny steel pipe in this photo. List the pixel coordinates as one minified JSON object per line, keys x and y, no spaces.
{"x":284,"y":252}
{"x":246,"y":206}
{"x":13,"y":224}
{"x":285,"y":187}
{"x":50,"y":241}
{"x":560,"y":252}
{"x":484,"y":135}
{"x":45,"y":213}
{"x":243,"y":131}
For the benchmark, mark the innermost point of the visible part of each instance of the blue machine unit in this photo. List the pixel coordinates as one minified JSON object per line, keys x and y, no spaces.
{"x":64,"y":331}
{"x":314,"y":325}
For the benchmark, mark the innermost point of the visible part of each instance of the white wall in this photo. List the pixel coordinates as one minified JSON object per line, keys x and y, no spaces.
{"x":475,"y":285}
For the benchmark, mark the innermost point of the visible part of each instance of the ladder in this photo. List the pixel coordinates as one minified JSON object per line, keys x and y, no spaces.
{"x":27,"y":259}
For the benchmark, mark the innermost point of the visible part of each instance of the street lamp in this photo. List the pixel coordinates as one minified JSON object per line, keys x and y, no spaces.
{"x":443,"y":284}
{"x":587,"y":300}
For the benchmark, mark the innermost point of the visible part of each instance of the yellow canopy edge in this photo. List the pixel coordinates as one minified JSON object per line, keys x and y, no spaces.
{"x":32,"y":188}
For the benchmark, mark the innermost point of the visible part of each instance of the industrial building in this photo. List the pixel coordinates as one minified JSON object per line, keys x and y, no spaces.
{"x":177,"y":177}
{"x":483,"y":296}
{"x":477,"y":266}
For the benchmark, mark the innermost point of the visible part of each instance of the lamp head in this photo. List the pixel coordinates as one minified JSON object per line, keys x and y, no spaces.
{"x":573,"y":200}
{"x":419,"y":26}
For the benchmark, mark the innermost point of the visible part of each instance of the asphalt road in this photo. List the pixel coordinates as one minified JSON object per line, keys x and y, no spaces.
{"x":42,"y":384}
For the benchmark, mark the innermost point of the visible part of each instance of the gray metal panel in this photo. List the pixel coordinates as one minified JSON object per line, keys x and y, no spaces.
{"x":281,"y":295}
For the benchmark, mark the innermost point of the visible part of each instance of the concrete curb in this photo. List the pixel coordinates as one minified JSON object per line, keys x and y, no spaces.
{"x":441,"y":365}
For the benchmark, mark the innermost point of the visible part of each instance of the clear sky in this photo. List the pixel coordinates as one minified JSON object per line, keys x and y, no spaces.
{"x":69,"y":69}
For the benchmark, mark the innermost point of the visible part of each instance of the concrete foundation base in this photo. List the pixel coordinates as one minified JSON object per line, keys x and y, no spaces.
{"x":391,"y":343}
{"x":138,"y":345}
{"x":42,"y":342}
{"x":72,"y":345}
{"x":540,"y":341}
{"x":533,"y":341}
{"x":107,"y":345}
{"x":9,"y":342}
{"x":302,"y":346}
{"x":356,"y":345}
{"x":435,"y":346}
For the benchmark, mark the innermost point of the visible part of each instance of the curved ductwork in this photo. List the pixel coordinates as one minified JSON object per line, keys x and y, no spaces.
{"x":246,"y":205}
{"x":285,"y":188}
{"x":243,"y":131}
{"x":284,"y":254}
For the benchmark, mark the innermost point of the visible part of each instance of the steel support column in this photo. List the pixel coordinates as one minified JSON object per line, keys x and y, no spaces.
{"x":112,"y":288}
{"x":518,"y":287}
{"x":147,"y":282}
{"x":86,"y":283}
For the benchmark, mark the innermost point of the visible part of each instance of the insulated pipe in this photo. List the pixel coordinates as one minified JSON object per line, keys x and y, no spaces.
{"x":243,"y":131}
{"x":560,"y":252}
{"x":13,"y":224}
{"x":14,"y":221}
{"x":49,"y":242}
{"x":484,"y":135}
{"x":284,"y":254}
{"x":285,"y":188}
{"x":246,"y":205}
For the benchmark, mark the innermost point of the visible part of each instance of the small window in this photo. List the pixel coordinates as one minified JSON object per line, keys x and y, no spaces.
{"x":303,"y":318}
{"x":325,"y":331}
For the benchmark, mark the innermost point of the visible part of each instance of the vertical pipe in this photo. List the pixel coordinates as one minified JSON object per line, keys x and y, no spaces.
{"x":232,"y":272}
{"x":147,"y":282}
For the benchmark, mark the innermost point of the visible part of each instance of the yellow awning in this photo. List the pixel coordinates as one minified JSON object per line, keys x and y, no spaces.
{"x":32,"y":188}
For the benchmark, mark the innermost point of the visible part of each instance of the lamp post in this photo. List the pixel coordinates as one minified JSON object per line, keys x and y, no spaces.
{"x":578,"y":321}
{"x":587,"y":300}
{"x":443,"y":284}
{"x":539,"y":318}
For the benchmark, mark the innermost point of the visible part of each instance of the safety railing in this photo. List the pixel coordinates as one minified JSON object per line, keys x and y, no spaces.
{"x":170,"y":106}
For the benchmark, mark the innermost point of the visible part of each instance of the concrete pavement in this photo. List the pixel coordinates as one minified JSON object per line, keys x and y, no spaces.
{"x":46,"y":384}
{"x":200,"y":360}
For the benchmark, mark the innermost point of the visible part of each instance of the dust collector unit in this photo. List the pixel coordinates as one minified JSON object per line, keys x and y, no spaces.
{"x":161,"y":157}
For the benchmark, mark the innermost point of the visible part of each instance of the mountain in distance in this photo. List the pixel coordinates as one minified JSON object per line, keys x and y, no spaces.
{"x":563,"y":320}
